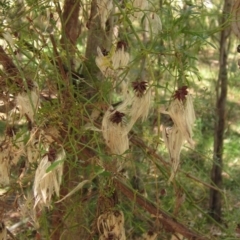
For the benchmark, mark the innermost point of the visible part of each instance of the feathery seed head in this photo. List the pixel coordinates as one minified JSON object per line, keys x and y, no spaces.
{"x":52,"y":153}
{"x":122,"y":44}
{"x":190,"y":113}
{"x":28,"y":102}
{"x":115,"y":131}
{"x":111,"y":225}
{"x":178,"y":114}
{"x":117,"y":117}
{"x":182,"y":113}
{"x":181,"y":93}
{"x":104,"y":8}
{"x":139,"y":7}
{"x":103,"y":62}
{"x":139,"y":87}
{"x":120,"y":57}
{"x":153,"y":23}
{"x":141,"y":102}
{"x":48,"y":183}
{"x":173,"y":139}
{"x":105,"y":52}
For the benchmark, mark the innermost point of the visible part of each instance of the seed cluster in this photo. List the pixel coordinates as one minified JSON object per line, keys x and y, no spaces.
{"x":181,"y":93}
{"x":117,"y":117}
{"x":139,"y":87}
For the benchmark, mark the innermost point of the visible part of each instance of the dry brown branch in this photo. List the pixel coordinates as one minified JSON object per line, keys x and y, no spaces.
{"x":215,"y":201}
{"x":168,"y":222}
{"x":71,"y":24}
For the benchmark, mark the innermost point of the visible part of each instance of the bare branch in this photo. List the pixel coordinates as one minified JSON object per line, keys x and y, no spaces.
{"x":71,"y":24}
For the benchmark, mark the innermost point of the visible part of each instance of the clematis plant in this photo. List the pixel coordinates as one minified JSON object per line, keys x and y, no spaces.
{"x":182,"y":113}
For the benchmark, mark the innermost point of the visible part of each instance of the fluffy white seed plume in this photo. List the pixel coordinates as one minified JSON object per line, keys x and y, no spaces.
{"x":182,"y":113}
{"x":141,"y":4}
{"x":177,"y":113}
{"x":113,"y":62}
{"x":28,"y":102}
{"x":153,"y":24}
{"x":103,"y":62}
{"x":141,"y":106}
{"x":173,"y":139}
{"x":48,"y":183}
{"x":141,"y":101}
{"x":138,"y":7}
{"x":120,"y":58}
{"x":104,"y":9}
{"x":190,"y":113}
{"x":114,"y":129}
{"x":3,"y":231}
{"x":111,"y":225}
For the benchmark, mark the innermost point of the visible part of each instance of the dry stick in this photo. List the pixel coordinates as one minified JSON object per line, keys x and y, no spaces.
{"x":70,"y":24}
{"x":169,"y":223}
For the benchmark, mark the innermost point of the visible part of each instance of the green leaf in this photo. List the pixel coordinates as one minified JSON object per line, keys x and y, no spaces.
{"x":54,"y":165}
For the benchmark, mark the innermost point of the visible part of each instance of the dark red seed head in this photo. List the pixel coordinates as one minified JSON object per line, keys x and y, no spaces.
{"x":117,"y":117}
{"x":181,"y":93}
{"x":139,"y":87}
{"x":121,"y":44}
